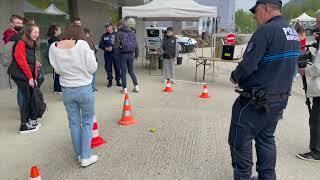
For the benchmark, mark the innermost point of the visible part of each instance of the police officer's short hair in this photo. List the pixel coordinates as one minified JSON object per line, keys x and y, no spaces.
{"x":275,"y":7}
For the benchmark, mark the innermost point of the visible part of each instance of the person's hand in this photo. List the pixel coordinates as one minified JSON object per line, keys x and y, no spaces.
{"x":38,"y":63}
{"x":31,"y":83}
{"x":302,"y":71}
{"x":35,"y":83}
{"x":109,"y":49}
{"x":232,"y":81}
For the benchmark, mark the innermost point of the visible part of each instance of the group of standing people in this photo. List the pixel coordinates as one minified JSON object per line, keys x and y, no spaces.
{"x":71,"y":53}
{"x":21,"y":41}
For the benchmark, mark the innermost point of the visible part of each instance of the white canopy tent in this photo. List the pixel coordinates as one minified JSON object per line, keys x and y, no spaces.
{"x":304,"y":18}
{"x":53,"y":10}
{"x":161,"y":9}
{"x":172,"y":10}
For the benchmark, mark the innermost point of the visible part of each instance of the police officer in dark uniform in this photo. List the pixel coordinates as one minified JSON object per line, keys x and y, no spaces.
{"x":106,"y":44}
{"x":264,"y":78}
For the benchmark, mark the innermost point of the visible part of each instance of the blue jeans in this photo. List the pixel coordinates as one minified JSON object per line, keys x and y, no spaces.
{"x":79,"y":103}
{"x":94,"y":81}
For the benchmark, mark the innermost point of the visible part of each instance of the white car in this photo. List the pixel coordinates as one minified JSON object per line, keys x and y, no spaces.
{"x":156,"y":34}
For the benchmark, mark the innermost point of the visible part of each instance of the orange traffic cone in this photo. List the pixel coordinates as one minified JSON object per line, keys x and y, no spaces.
{"x":127,"y":119}
{"x":35,"y":174}
{"x":168,"y":88}
{"x":97,"y":140}
{"x":205,"y":93}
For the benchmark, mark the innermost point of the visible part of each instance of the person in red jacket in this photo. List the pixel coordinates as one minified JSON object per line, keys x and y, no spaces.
{"x":23,"y":71}
{"x":16,"y":25}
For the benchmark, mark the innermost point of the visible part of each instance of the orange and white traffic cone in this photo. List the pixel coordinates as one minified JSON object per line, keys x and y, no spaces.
{"x":97,"y":140}
{"x":127,"y":119}
{"x":35,"y":174}
{"x":205,"y":94}
{"x":168,"y":88}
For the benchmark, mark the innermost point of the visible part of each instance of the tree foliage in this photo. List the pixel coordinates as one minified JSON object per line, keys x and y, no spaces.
{"x":245,"y":22}
{"x":295,"y":8}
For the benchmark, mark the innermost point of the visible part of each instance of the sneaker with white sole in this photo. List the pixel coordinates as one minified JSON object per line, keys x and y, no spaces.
{"x":28,"y":128}
{"x":79,"y":159}
{"x":124,"y":91}
{"x":87,"y":162}
{"x":136,"y":89}
{"x":35,"y":123}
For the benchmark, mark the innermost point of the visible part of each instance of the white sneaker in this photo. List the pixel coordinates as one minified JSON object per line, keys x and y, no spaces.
{"x":124,"y":91}
{"x":79,"y":159}
{"x":136,"y":89}
{"x":87,"y":162}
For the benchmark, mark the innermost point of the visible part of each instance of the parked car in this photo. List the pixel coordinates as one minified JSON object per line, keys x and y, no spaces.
{"x":155,"y":34}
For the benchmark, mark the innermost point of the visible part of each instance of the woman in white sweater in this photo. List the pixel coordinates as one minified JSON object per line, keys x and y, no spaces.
{"x":75,"y":62}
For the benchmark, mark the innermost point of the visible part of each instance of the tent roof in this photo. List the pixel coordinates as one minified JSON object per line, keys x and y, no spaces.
{"x":52,"y":9}
{"x":164,"y":9}
{"x":304,"y":17}
{"x":29,"y":8}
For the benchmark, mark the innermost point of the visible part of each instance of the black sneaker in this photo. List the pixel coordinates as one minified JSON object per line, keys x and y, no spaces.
{"x":28,"y":128}
{"x":119,"y":83}
{"x":310,"y":156}
{"x":109,"y":84}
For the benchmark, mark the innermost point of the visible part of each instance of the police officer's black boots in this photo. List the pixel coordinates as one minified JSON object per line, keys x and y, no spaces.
{"x":109,"y":84}
{"x":119,"y":83}
{"x":310,"y":156}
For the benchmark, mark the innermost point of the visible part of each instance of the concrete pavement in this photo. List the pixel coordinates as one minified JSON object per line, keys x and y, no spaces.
{"x":190,"y":141}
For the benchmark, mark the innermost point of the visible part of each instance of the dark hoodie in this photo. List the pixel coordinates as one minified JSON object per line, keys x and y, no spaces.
{"x":8,"y":35}
{"x":119,"y":35}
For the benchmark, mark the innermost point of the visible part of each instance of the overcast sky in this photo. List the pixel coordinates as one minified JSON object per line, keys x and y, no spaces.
{"x":246,"y":4}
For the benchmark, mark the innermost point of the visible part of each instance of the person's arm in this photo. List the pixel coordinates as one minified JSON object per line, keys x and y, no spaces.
{"x":116,"y":47}
{"x":20,"y":57}
{"x":101,"y":44}
{"x":137,"y":48}
{"x":314,"y":70}
{"x":178,"y":48}
{"x":255,"y":51}
{"x":90,"y":59}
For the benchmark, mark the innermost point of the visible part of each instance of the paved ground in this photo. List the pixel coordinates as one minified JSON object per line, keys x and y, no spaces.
{"x":191,"y":141}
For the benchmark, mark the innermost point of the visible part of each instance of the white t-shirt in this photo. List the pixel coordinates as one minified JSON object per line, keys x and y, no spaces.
{"x":75,"y":66}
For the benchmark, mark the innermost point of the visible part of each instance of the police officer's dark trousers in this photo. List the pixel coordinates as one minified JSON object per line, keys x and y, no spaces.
{"x":314,"y":123}
{"x":127,"y":65}
{"x":248,"y":124}
{"x":111,"y":61}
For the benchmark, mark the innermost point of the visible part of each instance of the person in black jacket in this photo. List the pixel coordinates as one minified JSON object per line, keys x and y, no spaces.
{"x":53,"y":33}
{"x":23,"y":70}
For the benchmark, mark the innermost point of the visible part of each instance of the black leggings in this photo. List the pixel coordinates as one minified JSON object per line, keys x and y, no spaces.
{"x":25,"y":90}
{"x":314,"y":123}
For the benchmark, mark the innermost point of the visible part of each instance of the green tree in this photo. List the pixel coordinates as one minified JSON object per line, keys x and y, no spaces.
{"x":245,"y":22}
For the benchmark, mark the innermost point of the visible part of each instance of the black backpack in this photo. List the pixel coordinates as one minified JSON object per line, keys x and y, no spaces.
{"x":38,"y":106}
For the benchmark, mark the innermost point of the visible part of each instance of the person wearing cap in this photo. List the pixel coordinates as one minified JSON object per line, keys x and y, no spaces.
{"x":169,"y":49}
{"x":94,"y":49}
{"x":264,"y":78}
{"x":106,"y":44}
